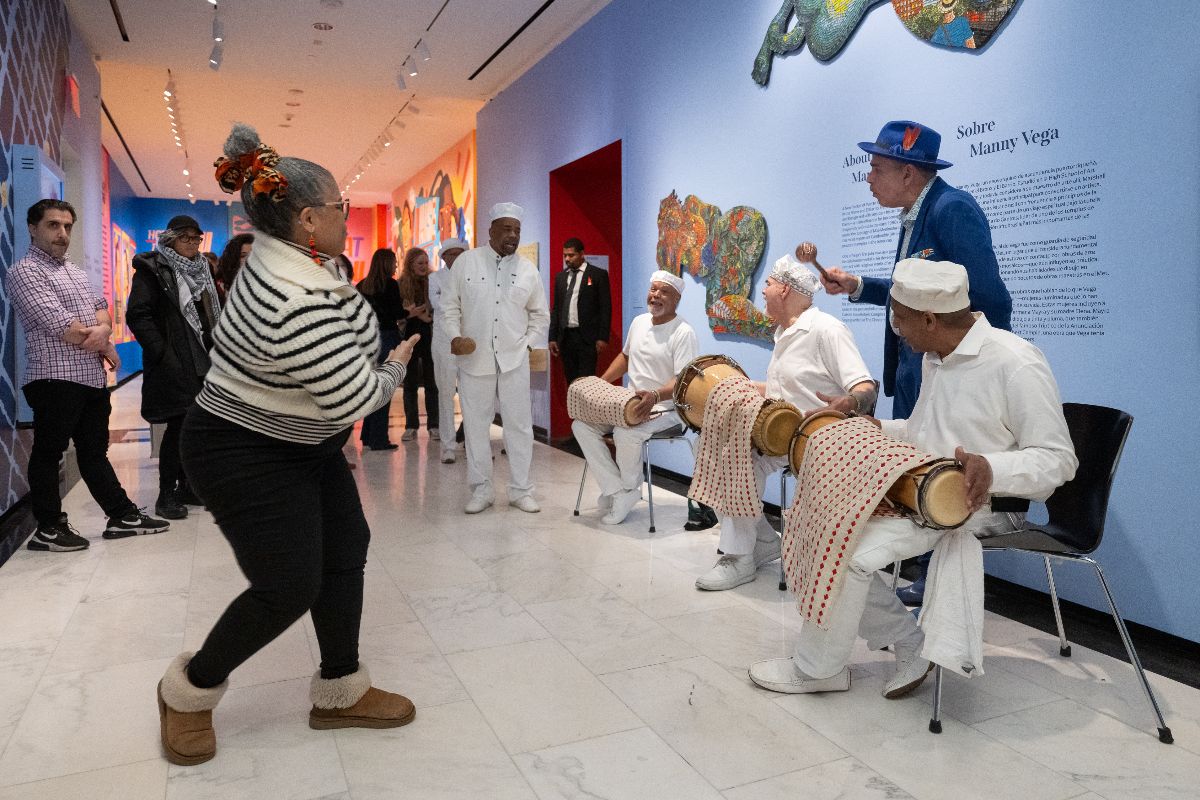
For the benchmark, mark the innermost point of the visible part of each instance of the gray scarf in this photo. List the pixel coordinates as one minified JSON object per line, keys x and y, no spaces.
{"x":194,"y":275}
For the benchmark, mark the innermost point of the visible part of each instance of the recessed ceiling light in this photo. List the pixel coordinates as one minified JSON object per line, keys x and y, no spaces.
{"x":185,"y":172}
{"x":295,"y":91}
{"x":292,"y":104}
{"x":322,"y":26}
{"x":284,"y":125}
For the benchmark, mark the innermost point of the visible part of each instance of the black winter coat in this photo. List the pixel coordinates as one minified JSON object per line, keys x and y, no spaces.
{"x":174,"y":360}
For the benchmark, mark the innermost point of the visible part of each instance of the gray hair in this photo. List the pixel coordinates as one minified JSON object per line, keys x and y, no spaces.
{"x":308,"y":186}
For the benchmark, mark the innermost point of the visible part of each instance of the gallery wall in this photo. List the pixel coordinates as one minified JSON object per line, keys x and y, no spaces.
{"x":1078,"y":139}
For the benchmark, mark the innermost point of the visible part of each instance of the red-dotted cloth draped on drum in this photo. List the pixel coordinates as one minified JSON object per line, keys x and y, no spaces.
{"x":597,"y":401}
{"x":848,"y":467}
{"x":724,"y":474}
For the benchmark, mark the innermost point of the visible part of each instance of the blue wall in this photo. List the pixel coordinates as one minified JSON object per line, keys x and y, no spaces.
{"x":672,"y":80}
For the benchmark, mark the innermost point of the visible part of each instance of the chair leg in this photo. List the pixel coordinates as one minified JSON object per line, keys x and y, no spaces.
{"x":782,"y":524}
{"x":935,"y":721}
{"x":582,"y":480}
{"x":1064,"y":649}
{"x":649,"y":484}
{"x":895,"y":574}
{"x":1164,"y":733}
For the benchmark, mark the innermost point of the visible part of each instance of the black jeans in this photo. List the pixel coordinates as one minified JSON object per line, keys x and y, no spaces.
{"x":65,"y":411}
{"x":420,"y":373}
{"x":374,"y":431}
{"x":170,"y":463}
{"x":292,"y":515}
{"x":578,"y":355}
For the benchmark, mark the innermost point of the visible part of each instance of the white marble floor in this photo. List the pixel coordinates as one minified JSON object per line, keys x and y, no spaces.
{"x":549,"y":656}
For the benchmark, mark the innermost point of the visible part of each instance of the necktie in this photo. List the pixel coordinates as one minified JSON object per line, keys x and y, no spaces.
{"x":571,"y":283}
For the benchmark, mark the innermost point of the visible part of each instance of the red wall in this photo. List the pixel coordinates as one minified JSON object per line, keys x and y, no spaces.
{"x":585,"y":202}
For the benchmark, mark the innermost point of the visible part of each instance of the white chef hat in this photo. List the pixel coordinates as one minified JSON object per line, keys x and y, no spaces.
{"x":792,"y":273}
{"x":454,"y":244}
{"x":501,"y":210}
{"x":936,"y":286}
{"x":674,"y":281}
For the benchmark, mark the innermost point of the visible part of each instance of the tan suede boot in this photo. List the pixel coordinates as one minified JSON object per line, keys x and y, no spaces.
{"x":185,"y":715}
{"x":351,"y":702}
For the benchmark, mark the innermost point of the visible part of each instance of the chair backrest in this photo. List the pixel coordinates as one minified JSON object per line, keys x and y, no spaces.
{"x":1078,"y":507}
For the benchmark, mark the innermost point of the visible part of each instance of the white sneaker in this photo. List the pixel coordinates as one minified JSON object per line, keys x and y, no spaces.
{"x":622,"y":504}
{"x":434,"y":434}
{"x":526,"y":503}
{"x":408,"y":435}
{"x":781,"y":675}
{"x":448,"y":457}
{"x":728,"y":572}
{"x":478,"y":502}
{"x":767,"y":550}
{"x":604,"y":503}
{"x":911,"y":669}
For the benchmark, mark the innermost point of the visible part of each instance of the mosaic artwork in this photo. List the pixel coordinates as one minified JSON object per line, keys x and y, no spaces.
{"x":722,"y":250}
{"x":826,"y":26}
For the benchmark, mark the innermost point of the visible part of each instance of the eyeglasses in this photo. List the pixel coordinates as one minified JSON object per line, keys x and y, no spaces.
{"x":344,"y":205}
{"x":189,"y":239}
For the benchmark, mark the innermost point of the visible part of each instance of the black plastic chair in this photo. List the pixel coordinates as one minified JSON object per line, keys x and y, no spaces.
{"x":1077,"y":510}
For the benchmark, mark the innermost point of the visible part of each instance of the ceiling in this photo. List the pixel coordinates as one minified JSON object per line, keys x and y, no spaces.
{"x":325,"y":95}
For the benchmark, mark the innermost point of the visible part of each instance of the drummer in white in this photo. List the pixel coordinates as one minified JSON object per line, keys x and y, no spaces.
{"x":445,"y":363}
{"x":495,"y":298}
{"x":989,"y":400}
{"x":815,"y":362}
{"x":658,"y":345}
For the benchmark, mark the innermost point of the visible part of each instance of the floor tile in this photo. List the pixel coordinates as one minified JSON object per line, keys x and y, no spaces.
{"x":736,"y":636}
{"x":145,"y":780}
{"x":402,"y":658}
{"x":844,"y":779}
{"x":472,"y":617}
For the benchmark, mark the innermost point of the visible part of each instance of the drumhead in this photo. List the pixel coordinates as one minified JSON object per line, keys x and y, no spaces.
{"x":942,"y":498}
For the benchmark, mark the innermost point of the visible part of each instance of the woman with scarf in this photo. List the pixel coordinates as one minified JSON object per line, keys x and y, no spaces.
{"x":172,"y":311}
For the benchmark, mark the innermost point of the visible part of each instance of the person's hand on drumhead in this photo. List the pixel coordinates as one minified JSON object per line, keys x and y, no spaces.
{"x":646,"y":401}
{"x":978,"y":476}
{"x":403,"y":351}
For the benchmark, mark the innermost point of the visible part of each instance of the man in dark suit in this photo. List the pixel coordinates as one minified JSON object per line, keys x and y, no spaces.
{"x":938,"y":223}
{"x":582,"y":313}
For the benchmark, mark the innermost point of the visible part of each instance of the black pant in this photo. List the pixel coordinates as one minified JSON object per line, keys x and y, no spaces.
{"x":374,"y":431}
{"x":420,"y":373}
{"x":578,"y":355}
{"x":292,"y":515}
{"x":170,"y":464}
{"x":65,"y":411}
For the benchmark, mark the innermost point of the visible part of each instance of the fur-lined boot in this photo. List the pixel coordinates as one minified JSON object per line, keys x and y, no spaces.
{"x":185,"y":715}
{"x":351,"y":702}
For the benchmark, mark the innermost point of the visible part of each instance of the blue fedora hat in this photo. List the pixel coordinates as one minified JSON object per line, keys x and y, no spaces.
{"x":910,"y":142}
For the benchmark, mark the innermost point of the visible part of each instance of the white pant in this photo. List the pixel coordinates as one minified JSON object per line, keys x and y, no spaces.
{"x":445,"y":373}
{"x":867,"y":606}
{"x":738,"y":534}
{"x":625,"y":473}
{"x":477,"y":395}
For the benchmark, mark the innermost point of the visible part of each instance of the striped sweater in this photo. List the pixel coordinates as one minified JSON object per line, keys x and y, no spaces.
{"x":294,"y":352}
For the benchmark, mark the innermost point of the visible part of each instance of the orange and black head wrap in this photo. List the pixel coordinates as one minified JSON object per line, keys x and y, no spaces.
{"x":257,"y":166}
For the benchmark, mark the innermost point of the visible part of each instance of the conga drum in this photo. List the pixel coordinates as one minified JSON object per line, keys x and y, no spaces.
{"x":935,"y":494}
{"x":807,"y":428}
{"x":774,"y":427}
{"x":590,"y":399}
{"x":696,"y":382}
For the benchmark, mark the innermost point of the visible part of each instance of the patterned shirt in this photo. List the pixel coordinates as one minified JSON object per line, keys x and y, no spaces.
{"x":49,"y":294}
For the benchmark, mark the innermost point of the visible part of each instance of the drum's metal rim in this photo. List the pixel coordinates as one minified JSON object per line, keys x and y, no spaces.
{"x":680,"y":385}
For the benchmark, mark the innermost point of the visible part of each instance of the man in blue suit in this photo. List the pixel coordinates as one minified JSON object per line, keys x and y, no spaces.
{"x":938,"y":223}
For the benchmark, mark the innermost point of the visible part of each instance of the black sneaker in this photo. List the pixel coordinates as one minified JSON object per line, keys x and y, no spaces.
{"x":57,"y":538}
{"x":168,"y":506}
{"x":185,"y":495}
{"x":135,"y":523}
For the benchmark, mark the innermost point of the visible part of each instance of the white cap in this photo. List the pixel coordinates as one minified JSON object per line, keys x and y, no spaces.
{"x":454,"y":244}
{"x":790,"y":272}
{"x":674,"y":281}
{"x":501,"y":210}
{"x":936,"y":286}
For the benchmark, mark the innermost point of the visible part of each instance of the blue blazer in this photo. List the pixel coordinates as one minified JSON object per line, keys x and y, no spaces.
{"x":950,"y":227}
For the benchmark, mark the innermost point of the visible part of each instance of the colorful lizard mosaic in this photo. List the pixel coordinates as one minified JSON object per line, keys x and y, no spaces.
{"x":723,"y":251}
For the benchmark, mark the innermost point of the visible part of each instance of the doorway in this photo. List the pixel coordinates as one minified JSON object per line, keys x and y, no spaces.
{"x":585,"y":203}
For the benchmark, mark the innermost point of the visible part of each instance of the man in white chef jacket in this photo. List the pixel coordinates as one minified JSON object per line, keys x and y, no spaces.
{"x":495,"y":298}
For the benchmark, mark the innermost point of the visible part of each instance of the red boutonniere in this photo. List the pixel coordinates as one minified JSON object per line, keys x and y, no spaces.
{"x":589,"y":282}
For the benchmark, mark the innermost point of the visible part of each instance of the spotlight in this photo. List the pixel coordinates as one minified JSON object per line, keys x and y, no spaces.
{"x":218,"y":30}
{"x":423,"y":50}
{"x":400,"y":84}
{"x":185,"y":172}
{"x":214,"y":58}
{"x":412,"y":67}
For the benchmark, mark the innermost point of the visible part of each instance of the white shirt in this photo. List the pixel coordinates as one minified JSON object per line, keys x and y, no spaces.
{"x":657,"y":353}
{"x":995,"y":396}
{"x":816,"y":353}
{"x":573,"y":300}
{"x":498,"y":302}
{"x":437,"y":286}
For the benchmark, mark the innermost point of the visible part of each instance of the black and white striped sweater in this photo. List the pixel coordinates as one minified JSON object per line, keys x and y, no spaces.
{"x":294,"y":352}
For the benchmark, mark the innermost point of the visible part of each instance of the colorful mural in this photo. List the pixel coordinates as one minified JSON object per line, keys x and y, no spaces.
{"x":723,"y":251}
{"x":438,"y":203}
{"x":120,"y":256}
{"x":826,"y":26}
